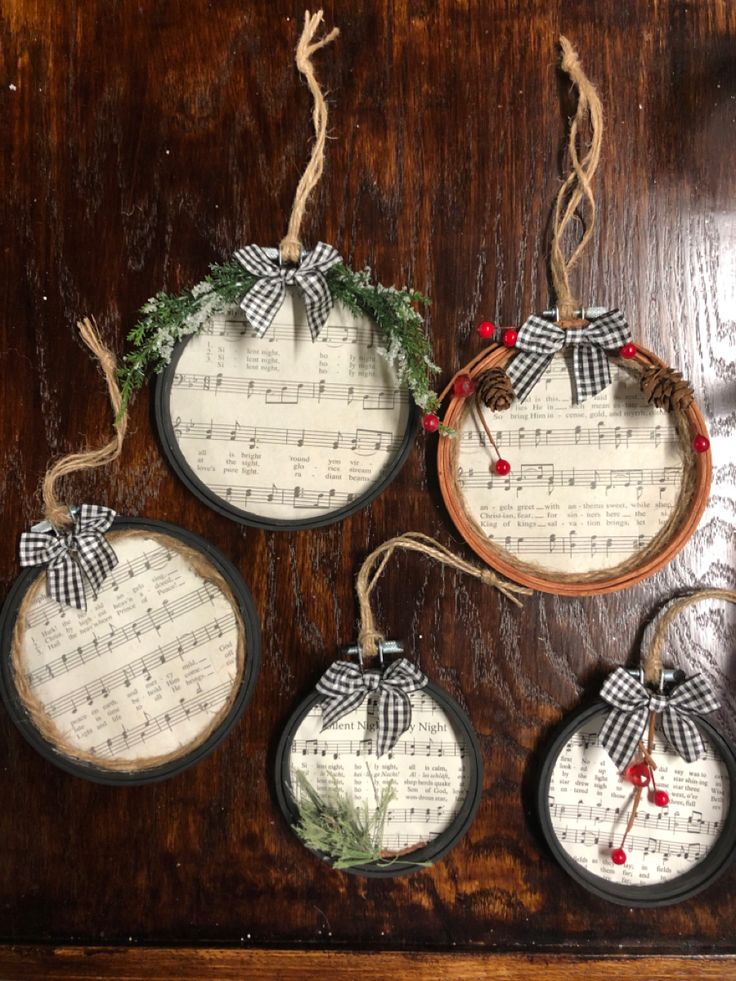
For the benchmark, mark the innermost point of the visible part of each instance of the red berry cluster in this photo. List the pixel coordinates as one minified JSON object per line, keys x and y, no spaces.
{"x":641,"y":775}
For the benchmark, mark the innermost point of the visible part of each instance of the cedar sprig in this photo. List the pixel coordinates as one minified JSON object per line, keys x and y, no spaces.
{"x":347,"y":834}
{"x":167,"y":318}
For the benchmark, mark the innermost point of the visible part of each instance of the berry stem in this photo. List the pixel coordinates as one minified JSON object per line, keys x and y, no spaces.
{"x":478,"y":413}
{"x":646,"y":752}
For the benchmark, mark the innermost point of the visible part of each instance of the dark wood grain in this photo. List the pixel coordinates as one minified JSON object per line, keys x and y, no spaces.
{"x":142,"y":140}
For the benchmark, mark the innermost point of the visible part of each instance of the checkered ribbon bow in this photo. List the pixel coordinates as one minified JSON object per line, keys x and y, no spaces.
{"x":262,"y":301}
{"x":631,"y":704}
{"x":539,"y":340}
{"x":345,"y":685}
{"x":73,"y":556}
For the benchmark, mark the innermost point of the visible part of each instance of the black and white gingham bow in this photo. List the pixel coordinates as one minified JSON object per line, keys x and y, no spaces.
{"x":262,"y":301}
{"x":345,"y":685}
{"x":73,"y":556}
{"x":539,"y":340}
{"x":631,"y":704}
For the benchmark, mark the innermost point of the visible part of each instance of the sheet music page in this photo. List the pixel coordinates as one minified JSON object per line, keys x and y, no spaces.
{"x":590,"y":805}
{"x":286,"y":427}
{"x":146,"y":670}
{"x":590,"y":484}
{"x":428,"y":767}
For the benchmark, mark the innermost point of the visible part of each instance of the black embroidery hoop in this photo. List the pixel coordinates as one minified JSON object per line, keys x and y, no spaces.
{"x":676,"y":890}
{"x":443,"y":843}
{"x":89,"y":771}
{"x":701,"y":875}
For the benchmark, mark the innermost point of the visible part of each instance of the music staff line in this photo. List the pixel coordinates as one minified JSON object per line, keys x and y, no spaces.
{"x":534,"y":476}
{"x":695,"y":824}
{"x":151,"y":620}
{"x":294,"y":497}
{"x":570,"y":544}
{"x":332,"y":335}
{"x":364,"y":442}
{"x":143,"y":666}
{"x":156,"y":559}
{"x":210,"y":701}
{"x":588,"y":739}
{"x":641,"y":843}
{"x":421,"y":704}
{"x":366,"y":747}
{"x":293,"y":392}
{"x":600,"y":435}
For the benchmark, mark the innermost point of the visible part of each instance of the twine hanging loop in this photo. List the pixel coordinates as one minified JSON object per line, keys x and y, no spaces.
{"x":369,"y":637}
{"x":56,"y":512}
{"x":291,"y":246}
{"x":576,"y":188}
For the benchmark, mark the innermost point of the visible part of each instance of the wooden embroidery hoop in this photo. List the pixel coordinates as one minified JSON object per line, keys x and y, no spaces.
{"x":589,"y":584}
{"x":574,"y":196}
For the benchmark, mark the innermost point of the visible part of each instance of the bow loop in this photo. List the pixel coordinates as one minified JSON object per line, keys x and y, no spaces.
{"x":262,"y":301}
{"x":73,"y":556}
{"x":344,"y":686}
{"x":539,"y":340}
{"x":631,"y":704}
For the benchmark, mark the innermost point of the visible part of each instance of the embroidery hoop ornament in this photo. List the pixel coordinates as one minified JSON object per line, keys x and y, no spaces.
{"x":346,"y":684}
{"x":66,"y":552}
{"x":651,"y":801}
{"x":662,"y":386}
{"x":258,"y":279}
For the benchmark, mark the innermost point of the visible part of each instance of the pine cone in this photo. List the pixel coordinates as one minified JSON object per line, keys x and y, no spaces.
{"x":494,"y":389}
{"x":666,"y":388}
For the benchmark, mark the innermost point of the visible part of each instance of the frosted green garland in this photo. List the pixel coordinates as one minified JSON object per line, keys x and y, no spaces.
{"x":168,"y":318}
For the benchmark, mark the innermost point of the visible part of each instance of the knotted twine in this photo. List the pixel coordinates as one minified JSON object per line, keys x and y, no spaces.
{"x":576,"y":189}
{"x":369,"y":637}
{"x":291,"y":246}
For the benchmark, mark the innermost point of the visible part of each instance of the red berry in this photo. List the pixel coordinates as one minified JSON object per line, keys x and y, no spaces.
{"x":486,"y":329}
{"x":618,"y":856}
{"x":503,"y":467}
{"x":701,"y":444}
{"x":661,"y":798}
{"x":463,"y":386}
{"x":628,"y":351}
{"x":431,"y":422}
{"x":510,"y":337}
{"x":638,"y":774}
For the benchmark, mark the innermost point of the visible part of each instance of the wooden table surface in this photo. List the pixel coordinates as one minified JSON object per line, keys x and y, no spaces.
{"x":143,"y":140}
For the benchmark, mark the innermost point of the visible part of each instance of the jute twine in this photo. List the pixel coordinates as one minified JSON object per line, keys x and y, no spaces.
{"x":54,"y":510}
{"x":654,"y":636}
{"x":291,"y":246}
{"x":58,"y":514}
{"x":576,"y":189}
{"x":369,"y":636}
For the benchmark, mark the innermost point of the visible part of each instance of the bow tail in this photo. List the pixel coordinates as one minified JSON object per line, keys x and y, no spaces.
{"x":592,"y":371}
{"x":682,"y":734}
{"x":96,"y":558}
{"x":65,"y":582}
{"x":334,"y":707}
{"x":621,"y":734}
{"x":394,"y":718}
{"x":525,"y":371}
{"x":318,"y":300}
{"x":262,"y":301}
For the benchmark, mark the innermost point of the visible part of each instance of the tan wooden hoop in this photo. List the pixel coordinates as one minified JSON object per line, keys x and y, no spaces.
{"x":498,"y":558}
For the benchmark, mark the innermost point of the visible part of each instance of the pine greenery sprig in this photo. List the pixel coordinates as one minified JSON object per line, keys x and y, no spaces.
{"x":336,"y":827}
{"x":167,"y":318}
